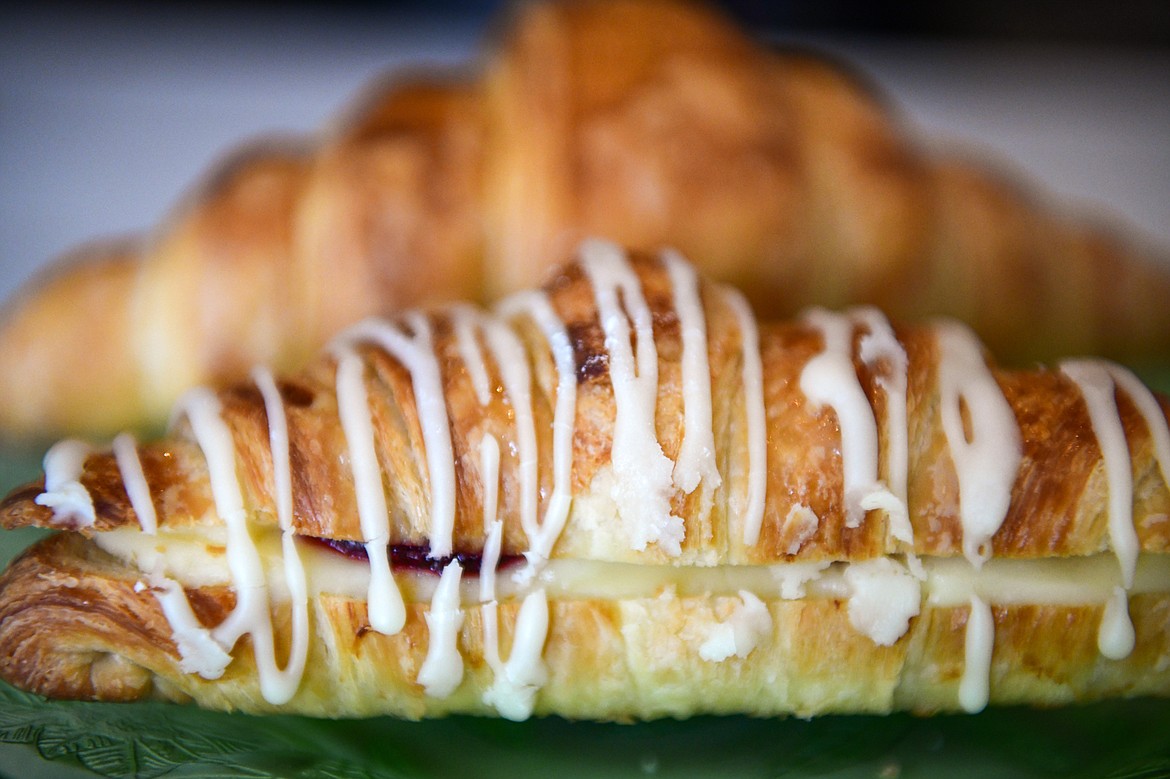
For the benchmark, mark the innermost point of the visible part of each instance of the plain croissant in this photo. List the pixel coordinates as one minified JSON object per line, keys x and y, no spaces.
{"x":619,"y":497}
{"x":648,"y":123}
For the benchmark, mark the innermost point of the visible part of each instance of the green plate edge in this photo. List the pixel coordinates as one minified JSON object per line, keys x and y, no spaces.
{"x":1114,"y":739}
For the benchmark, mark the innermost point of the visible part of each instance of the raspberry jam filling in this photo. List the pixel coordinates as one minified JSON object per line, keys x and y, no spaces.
{"x":415,"y":556}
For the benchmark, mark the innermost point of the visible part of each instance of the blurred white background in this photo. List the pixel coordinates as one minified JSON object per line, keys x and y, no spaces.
{"x":108,"y":114}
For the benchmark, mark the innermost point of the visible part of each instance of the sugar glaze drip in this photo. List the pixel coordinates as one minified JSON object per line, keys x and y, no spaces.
{"x":642,"y":475}
{"x":537,"y":306}
{"x":287,"y":680}
{"x":252,"y":614}
{"x":387,"y":612}
{"x":416,"y":352}
{"x":515,"y":684}
{"x":880,"y":350}
{"x":830,"y":379}
{"x":130,"y":467}
{"x":1098,"y":382}
{"x":696,"y":457}
{"x":755,"y":417}
{"x":64,"y":493}
{"x":986,"y":448}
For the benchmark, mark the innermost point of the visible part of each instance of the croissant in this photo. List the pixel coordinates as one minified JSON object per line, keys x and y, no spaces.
{"x":619,"y":497}
{"x":649,"y":123}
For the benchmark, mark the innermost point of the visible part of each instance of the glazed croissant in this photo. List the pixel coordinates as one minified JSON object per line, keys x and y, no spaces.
{"x":649,"y":123}
{"x":619,"y":497}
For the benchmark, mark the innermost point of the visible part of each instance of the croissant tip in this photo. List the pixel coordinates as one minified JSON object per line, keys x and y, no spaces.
{"x":20,"y":509}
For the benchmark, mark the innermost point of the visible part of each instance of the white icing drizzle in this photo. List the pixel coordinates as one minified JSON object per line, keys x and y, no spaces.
{"x":537,"y":306}
{"x":1095,"y":379}
{"x":884,"y":597}
{"x":387,"y":612}
{"x":512,"y":362}
{"x":199,"y":651}
{"x":830,"y":379}
{"x":974,"y":686}
{"x":986,"y":463}
{"x":513,"y":692}
{"x":793,"y":577}
{"x":880,"y":345}
{"x":464,"y":320}
{"x":416,"y":353}
{"x":487,"y":568}
{"x":515,"y":683}
{"x":286,"y":681}
{"x":1151,"y":411}
{"x":696,"y":456}
{"x":489,"y":457}
{"x":252,"y":613}
{"x":738,"y":635}
{"x":442,"y":669}
{"x":1096,"y":386}
{"x":493,"y":530}
{"x":1115,"y":636}
{"x":125,"y":450}
{"x":752,"y":508}
{"x":64,"y":493}
{"x":642,"y":475}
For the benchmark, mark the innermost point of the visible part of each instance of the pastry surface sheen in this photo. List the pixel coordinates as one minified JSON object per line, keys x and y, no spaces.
{"x":617,"y":497}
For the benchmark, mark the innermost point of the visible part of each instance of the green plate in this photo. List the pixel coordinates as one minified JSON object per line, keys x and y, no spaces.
{"x":40,"y":738}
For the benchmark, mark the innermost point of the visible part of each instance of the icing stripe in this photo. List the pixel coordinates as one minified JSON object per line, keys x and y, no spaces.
{"x":1115,"y":636}
{"x":830,"y":379}
{"x":880,"y":345}
{"x":642,"y":474}
{"x":1097,"y":388}
{"x":752,"y":509}
{"x":696,"y":456}
{"x":442,"y":668}
{"x":130,"y":468}
{"x":1096,"y":381}
{"x":512,"y":362}
{"x":1151,"y":412}
{"x":417,"y":354}
{"x":513,"y":693}
{"x":251,"y":614}
{"x":64,"y":493}
{"x":987,"y":461}
{"x":974,"y":687}
{"x":537,"y":306}
{"x":282,"y":685}
{"x":493,"y":531}
{"x":516,"y":682}
{"x":387,"y":612}
{"x":464,"y":318}
{"x":199,"y":652}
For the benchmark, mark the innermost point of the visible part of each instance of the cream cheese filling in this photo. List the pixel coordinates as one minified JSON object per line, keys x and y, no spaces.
{"x":196,"y":560}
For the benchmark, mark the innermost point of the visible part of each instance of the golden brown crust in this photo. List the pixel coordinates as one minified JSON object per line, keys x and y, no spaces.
{"x":1058,"y":501}
{"x":648,"y":123}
